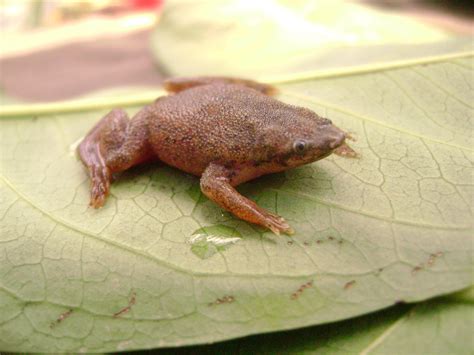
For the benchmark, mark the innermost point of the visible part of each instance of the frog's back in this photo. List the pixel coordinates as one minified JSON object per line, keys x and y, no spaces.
{"x":209,"y":123}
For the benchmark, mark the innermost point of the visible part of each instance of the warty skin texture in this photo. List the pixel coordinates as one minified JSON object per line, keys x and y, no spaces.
{"x":225,"y":130}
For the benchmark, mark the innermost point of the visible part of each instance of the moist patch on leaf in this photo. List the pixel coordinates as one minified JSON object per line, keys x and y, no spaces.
{"x":207,"y":241}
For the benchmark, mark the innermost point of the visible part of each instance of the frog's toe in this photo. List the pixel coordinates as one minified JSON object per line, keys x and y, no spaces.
{"x":278,"y":225}
{"x":100,"y":185}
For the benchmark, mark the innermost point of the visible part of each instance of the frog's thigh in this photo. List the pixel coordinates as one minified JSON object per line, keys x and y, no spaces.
{"x":215,"y":184}
{"x":106,"y":136}
{"x":175,"y":85}
{"x":114,"y":144}
{"x":127,"y":145}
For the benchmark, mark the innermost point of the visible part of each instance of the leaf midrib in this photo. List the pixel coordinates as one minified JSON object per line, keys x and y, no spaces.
{"x":153,"y":258}
{"x":364,"y":69}
{"x":80,"y":105}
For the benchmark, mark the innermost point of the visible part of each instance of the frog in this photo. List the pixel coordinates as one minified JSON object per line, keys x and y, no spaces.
{"x":225,"y":130}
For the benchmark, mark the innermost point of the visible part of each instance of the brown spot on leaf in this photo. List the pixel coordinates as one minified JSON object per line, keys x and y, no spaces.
{"x":295,"y":295}
{"x":349,"y":284}
{"x":430,"y":262}
{"x":433,"y":257}
{"x":61,"y":317}
{"x":416,"y":269}
{"x":124,"y":310}
{"x":290,"y":242}
{"x":223,"y":300}
{"x":306,"y":243}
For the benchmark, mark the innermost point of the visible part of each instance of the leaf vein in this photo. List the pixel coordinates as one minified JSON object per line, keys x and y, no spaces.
{"x":371,"y":120}
{"x":348,"y":209}
{"x":153,"y":258}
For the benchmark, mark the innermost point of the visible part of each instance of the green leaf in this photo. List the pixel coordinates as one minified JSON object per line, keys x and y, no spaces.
{"x":394,"y":225}
{"x":440,"y":326}
{"x":283,"y":39}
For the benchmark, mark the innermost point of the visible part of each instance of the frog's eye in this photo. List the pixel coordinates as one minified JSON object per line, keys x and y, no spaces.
{"x":326,"y":121}
{"x":299,"y":146}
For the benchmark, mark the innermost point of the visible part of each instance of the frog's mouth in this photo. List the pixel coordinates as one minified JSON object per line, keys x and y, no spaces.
{"x":325,"y":155}
{"x":297,"y":160}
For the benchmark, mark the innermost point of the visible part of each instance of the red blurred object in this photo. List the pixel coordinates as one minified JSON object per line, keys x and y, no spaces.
{"x":145,"y":4}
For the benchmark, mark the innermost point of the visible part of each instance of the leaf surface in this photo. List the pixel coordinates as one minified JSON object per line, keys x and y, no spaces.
{"x":440,"y":326}
{"x":160,"y":265}
{"x":394,"y":225}
{"x":276,"y":39}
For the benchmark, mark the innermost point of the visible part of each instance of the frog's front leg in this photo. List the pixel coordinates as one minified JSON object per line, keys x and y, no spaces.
{"x":175,"y":85}
{"x":113,"y":145}
{"x":216,"y":185}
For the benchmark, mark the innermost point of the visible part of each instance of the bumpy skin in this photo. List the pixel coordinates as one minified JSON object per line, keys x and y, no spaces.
{"x":225,"y":130}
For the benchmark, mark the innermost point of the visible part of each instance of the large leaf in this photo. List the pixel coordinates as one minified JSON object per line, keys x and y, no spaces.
{"x":288,"y":39}
{"x":394,"y":225}
{"x":440,"y":326}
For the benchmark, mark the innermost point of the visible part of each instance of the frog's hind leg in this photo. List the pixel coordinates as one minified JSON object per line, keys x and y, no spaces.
{"x":216,"y":184}
{"x":175,"y":85}
{"x":113,"y":145}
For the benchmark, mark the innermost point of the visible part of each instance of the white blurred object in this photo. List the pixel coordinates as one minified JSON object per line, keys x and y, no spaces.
{"x":13,"y":14}
{"x":17,"y":15}
{"x":18,"y":42}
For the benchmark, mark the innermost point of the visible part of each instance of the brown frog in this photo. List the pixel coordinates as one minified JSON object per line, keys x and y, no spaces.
{"x":225,"y":130}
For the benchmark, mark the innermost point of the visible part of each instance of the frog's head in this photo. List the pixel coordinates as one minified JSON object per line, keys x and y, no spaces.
{"x":306,"y":138}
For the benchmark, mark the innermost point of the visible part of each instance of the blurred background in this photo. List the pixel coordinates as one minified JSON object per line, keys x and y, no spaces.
{"x":56,"y":50}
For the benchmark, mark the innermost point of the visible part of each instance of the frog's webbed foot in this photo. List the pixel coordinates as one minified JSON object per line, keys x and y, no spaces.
{"x":113,"y":145}
{"x":276,"y":223}
{"x":216,"y":185}
{"x":346,"y":151}
{"x":175,"y":85}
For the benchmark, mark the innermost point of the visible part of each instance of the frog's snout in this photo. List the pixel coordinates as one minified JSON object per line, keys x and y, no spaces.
{"x":337,"y":140}
{"x":333,"y":137}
